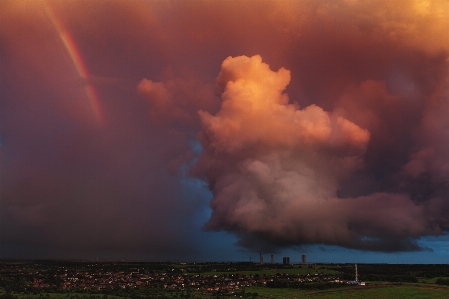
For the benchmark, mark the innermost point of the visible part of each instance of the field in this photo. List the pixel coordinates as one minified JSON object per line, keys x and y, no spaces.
{"x":390,"y":291}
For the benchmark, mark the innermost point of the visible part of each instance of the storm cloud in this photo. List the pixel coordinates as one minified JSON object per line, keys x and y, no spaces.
{"x":305,"y":122}
{"x":276,"y":170}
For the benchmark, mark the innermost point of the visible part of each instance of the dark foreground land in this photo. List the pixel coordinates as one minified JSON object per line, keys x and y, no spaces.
{"x":115,"y":280}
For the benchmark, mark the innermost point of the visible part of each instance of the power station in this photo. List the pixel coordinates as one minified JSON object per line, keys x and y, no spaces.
{"x":285,"y":259}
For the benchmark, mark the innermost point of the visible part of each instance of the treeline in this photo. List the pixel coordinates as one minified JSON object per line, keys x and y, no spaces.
{"x":394,"y":272}
{"x":230,"y":267}
{"x":443,"y":281}
{"x":304,"y":285}
{"x":390,"y":278}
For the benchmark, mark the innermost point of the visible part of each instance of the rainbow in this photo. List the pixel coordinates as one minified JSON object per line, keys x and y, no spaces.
{"x":75,"y":56}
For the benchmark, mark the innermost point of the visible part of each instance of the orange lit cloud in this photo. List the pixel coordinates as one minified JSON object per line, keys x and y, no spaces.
{"x":176,"y":101}
{"x":275,"y":170}
{"x":320,"y":121}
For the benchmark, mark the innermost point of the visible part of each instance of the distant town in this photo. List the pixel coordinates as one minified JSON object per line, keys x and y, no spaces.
{"x":203,"y":280}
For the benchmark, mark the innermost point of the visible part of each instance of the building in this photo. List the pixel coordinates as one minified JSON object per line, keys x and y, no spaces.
{"x":303,"y":259}
{"x":261,"y":259}
{"x":272,"y":259}
{"x":286,"y":260}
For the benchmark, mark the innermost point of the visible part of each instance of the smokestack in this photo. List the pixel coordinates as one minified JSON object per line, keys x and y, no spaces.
{"x":272,"y":259}
{"x":303,"y":259}
{"x":261,"y":259}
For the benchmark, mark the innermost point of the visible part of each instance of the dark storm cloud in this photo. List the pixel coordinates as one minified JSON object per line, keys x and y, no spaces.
{"x":68,"y":184}
{"x":276,"y":170}
{"x":269,"y":187}
{"x":346,"y":144}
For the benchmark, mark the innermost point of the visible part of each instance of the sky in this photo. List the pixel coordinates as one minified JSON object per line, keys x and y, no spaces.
{"x":220,"y":130}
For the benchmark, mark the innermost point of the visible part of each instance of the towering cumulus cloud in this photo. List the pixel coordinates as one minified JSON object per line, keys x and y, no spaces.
{"x":275,"y":170}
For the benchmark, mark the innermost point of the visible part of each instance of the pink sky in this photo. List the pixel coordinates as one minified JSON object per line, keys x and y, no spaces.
{"x":152,"y":129}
